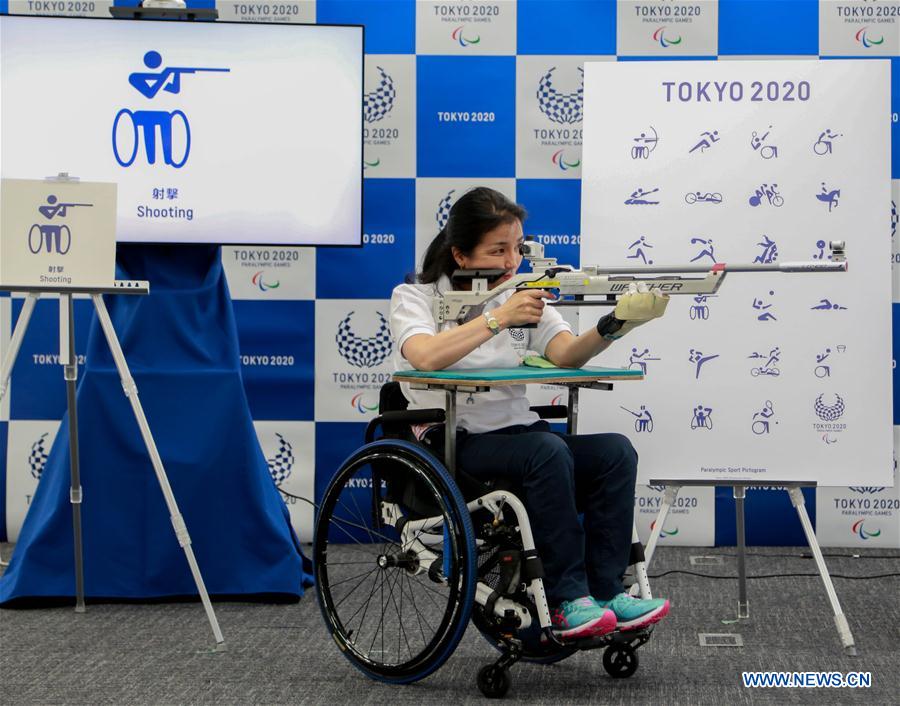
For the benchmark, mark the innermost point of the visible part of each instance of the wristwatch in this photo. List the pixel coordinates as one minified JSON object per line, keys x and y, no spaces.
{"x":492,"y":323}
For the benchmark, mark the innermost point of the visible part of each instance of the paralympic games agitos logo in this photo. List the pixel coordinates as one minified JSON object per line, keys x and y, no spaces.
{"x":665,"y":42}
{"x":459,"y":35}
{"x":258,"y":280}
{"x":358,"y":402}
{"x":559,"y":160}
{"x":866,"y":39}
{"x":173,"y":127}
{"x":664,"y":532}
{"x":860,"y":530}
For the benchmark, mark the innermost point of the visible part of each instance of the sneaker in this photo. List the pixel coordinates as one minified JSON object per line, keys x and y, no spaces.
{"x":582,"y":618}
{"x":635,"y":613}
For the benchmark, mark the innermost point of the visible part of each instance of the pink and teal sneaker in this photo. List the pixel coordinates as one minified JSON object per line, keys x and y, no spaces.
{"x":582,"y":617}
{"x":635,"y":613}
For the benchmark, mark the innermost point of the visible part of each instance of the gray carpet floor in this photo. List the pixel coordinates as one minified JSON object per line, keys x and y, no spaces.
{"x":282,"y":654}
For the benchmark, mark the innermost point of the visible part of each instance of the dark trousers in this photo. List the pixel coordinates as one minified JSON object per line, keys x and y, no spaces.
{"x":561,"y":476}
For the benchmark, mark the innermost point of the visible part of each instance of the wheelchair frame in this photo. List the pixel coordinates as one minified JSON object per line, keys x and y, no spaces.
{"x":423,"y":551}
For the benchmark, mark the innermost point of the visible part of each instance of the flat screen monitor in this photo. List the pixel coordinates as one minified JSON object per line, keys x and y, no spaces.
{"x":215,"y":132}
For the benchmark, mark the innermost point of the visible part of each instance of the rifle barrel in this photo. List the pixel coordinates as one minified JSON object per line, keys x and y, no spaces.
{"x":811,"y":266}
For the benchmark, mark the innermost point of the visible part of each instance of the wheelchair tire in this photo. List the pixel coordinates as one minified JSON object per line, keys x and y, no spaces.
{"x":493,"y":681}
{"x":620,"y":661}
{"x":396,"y":621}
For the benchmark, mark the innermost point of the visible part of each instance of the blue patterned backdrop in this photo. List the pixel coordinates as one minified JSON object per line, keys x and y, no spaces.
{"x":458,"y":93}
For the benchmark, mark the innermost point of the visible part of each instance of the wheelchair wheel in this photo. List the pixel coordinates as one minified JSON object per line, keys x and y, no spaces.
{"x":493,"y":681}
{"x":396,"y":596}
{"x":620,"y":661}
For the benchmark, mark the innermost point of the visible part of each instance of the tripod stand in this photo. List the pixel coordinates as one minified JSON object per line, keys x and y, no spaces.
{"x":739,"y":488}
{"x":70,"y":372}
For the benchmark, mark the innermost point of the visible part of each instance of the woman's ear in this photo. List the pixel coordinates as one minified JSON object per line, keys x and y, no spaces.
{"x":458,"y":256}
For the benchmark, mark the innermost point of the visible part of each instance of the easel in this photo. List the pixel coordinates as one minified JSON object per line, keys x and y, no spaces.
{"x":69,"y":362}
{"x":70,"y":372}
{"x":739,"y":489}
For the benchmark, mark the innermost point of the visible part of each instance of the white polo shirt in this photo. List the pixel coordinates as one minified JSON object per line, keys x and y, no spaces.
{"x":411,"y":314}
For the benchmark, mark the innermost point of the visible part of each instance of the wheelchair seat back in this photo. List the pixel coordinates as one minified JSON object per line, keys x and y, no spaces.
{"x":395,"y":422}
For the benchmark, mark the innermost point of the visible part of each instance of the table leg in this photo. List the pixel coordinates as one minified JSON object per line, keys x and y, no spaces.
{"x":450,"y":431}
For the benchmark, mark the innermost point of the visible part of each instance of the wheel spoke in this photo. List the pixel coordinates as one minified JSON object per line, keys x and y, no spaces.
{"x":429,"y":588}
{"x":360,"y":515}
{"x":418,"y":612}
{"x":364,"y":527}
{"x":350,"y":593}
{"x":365,"y":606}
{"x":364,"y":573}
{"x":399,"y":614}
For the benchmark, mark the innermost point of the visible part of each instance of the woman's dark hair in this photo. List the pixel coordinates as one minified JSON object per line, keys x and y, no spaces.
{"x":475,"y":213}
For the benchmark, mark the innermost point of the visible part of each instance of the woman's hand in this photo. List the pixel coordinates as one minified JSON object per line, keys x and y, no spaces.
{"x":523,"y":307}
{"x":637,"y":306}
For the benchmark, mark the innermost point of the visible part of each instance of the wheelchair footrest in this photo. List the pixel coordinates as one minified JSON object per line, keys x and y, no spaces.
{"x":633,"y":638}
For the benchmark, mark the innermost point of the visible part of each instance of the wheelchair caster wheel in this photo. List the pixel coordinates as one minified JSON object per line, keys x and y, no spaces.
{"x":620,"y":661}
{"x":494,"y":681}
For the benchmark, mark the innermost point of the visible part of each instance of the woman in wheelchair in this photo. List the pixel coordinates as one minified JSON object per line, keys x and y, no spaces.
{"x":560,"y":475}
{"x":405,"y":552}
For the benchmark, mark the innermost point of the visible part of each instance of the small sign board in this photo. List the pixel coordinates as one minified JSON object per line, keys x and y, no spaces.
{"x":57,"y":234}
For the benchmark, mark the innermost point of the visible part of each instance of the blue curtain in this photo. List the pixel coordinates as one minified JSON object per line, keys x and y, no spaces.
{"x":181,"y":346}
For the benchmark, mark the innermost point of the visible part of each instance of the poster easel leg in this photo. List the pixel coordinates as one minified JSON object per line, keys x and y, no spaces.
{"x":840,"y":620}
{"x":642,"y":581}
{"x":740,"y":492}
{"x":669,"y":495}
{"x":181,"y":532}
{"x":9,"y":360}
{"x":69,"y":361}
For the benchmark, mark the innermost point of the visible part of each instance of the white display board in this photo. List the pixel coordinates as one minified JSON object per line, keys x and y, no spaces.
{"x":779,"y":376}
{"x":215,"y":132}
{"x":57,"y":234}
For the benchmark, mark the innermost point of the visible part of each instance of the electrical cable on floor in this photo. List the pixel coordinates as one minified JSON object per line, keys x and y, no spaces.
{"x":808,"y":555}
{"x":770,"y":576}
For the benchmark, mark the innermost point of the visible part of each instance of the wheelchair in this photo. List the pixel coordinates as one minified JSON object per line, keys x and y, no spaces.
{"x":405,"y":555}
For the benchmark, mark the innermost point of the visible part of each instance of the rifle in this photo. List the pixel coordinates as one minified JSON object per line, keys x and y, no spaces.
{"x":610,"y":282}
